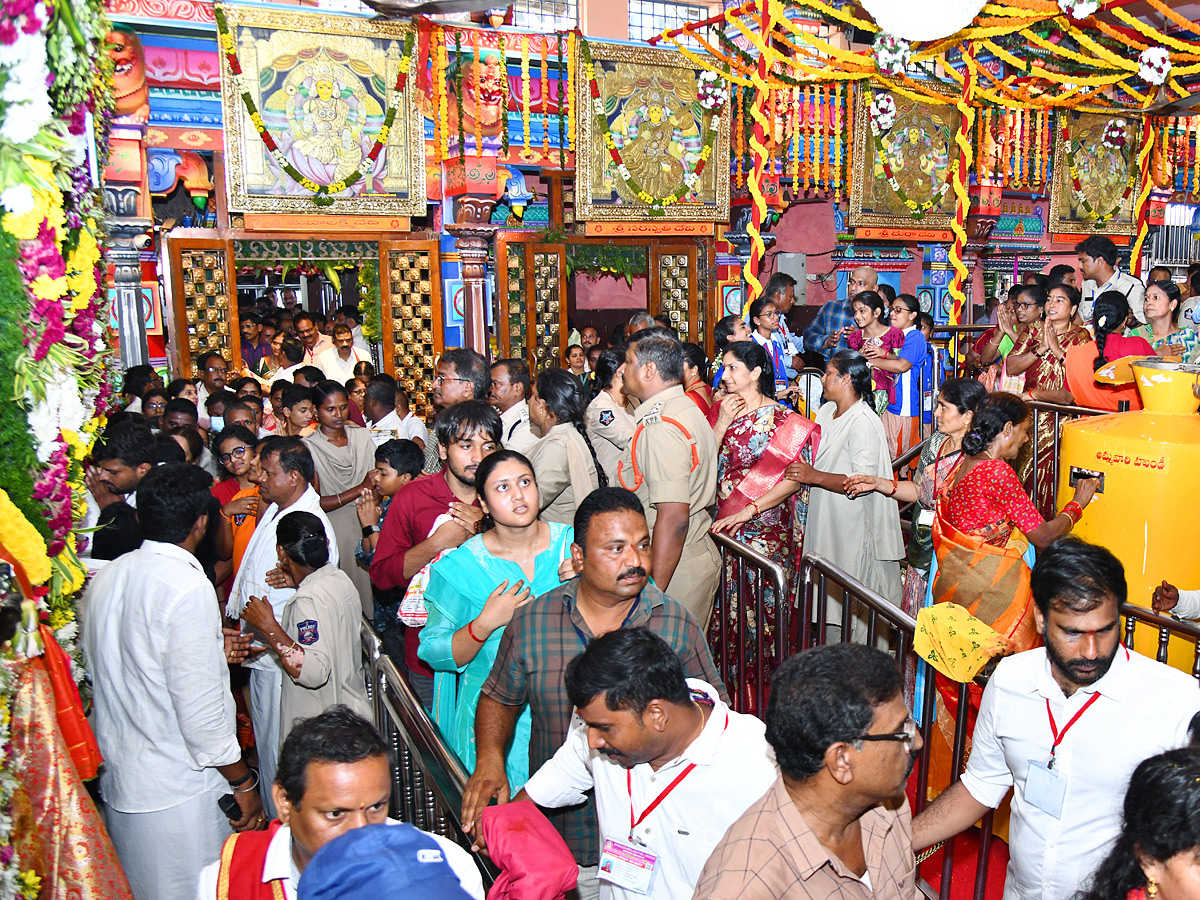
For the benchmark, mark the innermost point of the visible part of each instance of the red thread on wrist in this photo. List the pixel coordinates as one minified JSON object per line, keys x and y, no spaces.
{"x":471,"y":632}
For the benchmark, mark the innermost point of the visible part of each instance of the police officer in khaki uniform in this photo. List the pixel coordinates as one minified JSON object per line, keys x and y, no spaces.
{"x":671,"y":464}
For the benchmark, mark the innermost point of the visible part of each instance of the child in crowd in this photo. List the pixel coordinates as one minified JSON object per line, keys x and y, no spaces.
{"x":397,"y":462}
{"x":871,"y":317}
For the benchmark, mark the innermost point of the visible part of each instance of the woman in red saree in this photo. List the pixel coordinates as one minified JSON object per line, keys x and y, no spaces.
{"x":984,"y":525}
{"x":758,"y":438}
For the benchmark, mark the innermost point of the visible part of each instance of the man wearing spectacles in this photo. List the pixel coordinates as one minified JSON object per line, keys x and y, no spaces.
{"x":836,"y":823}
{"x":213,"y":372}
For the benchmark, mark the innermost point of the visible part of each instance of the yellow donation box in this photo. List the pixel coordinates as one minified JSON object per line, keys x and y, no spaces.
{"x":1150,"y":463}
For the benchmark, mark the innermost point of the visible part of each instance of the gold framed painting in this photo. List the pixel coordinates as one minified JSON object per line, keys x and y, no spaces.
{"x":1104,"y":156}
{"x":918,"y":148}
{"x":660,"y":131}
{"x":322,"y":87}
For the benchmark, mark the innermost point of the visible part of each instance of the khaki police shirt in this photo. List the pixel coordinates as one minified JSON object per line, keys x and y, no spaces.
{"x":674,"y":464}
{"x":610,"y":428}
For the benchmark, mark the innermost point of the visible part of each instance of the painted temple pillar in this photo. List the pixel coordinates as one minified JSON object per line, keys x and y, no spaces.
{"x":473,"y":235}
{"x":126,"y":193}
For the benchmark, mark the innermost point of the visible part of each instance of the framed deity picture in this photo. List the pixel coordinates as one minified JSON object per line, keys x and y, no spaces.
{"x":902,"y":174}
{"x":307,"y":100}
{"x":1095,"y":175}
{"x":646,"y":146}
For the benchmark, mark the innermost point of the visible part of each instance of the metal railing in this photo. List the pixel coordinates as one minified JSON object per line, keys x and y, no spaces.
{"x":1060,"y":413}
{"x":747,"y":575}
{"x":887,"y":624}
{"x":427,"y":777}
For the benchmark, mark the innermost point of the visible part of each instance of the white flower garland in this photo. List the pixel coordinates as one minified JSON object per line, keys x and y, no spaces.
{"x":892,"y":54}
{"x":712,"y":91}
{"x":1114,"y":135}
{"x":1079,"y":9}
{"x":1154,"y":64}
{"x":883,"y":113}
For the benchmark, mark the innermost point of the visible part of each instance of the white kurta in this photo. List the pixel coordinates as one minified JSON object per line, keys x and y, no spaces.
{"x":266,"y":675}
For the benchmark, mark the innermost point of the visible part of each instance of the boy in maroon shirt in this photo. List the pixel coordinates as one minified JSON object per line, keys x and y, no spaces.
{"x":466,"y":432}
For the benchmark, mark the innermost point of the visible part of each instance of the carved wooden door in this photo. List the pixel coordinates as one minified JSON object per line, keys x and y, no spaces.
{"x":203,"y":309}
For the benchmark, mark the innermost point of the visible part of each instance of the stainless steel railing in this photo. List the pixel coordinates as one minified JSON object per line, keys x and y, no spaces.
{"x":747,"y":577}
{"x":427,"y":777}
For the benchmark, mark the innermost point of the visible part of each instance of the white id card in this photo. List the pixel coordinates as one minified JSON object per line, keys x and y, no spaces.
{"x":1045,"y":788}
{"x":627,"y":866}
{"x":925,"y":518}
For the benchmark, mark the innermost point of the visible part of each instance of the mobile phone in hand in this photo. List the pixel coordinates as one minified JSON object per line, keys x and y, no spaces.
{"x":229,"y":806}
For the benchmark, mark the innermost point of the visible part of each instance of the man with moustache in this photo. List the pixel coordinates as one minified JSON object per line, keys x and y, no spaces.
{"x":1065,"y":725}
{"x":836,"y":822}
{"x":642,"y":725}
{"x":828,"y":331}
{"x":611,"y":553}
{"x":412,"y":535}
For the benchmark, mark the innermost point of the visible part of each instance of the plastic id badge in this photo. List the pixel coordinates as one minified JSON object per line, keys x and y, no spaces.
{"x":925,"y":518}
{"x":1045,"y":788}
{"x":627,"y":866}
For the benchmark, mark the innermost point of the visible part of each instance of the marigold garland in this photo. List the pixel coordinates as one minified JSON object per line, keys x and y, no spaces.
{"x":443,"y":64}
{"x":658,"y":205}
{"x":458,"y":94}
{"x":571,"y":86}
{"x":321,"y":192}
{"x":545,"y":91}
{"x":525,"y":99}
{"x":503,"y":99}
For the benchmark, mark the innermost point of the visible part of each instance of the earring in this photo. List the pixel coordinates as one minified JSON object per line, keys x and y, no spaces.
{"x":1151,"y":887}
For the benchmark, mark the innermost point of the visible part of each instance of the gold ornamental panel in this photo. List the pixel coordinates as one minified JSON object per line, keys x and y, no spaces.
{"x":516,"y":308}
{"x":205,"y":305}
{"x":675,"y":290}
{"x":410,"y":326}
{"x":546,"y":309}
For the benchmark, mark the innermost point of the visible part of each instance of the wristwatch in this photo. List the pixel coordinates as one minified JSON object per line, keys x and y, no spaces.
{"x":369,"y":530}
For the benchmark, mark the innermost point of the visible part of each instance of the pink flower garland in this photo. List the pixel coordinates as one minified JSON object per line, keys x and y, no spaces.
{"x":53,"y":489}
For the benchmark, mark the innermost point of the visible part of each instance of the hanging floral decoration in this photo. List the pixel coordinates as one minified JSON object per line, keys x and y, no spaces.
{"x":892,"y":55}
{"x":1114,"y":136}
{"x":1079,"y":9}
{"x":1099,"y":220}
{"x":658,"y":205}
{"x":712,"y":91}
{"x":458,"y":93}
{"x":883,"y":113}
{"x":1154,"y":65}
{"x":322,"y":193}
{"x":503,"y":102}
{"x":55,"y":96}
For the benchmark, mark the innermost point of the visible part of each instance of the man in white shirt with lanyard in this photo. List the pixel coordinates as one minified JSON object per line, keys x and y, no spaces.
{"x":1066,"y":724}
{"x":672,"y":766}
{"x":284,"y":480}
{"x":1098,"y":262}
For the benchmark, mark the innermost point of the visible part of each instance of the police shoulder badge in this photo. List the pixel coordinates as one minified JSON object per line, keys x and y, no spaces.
{"x":308,"y":632}
{"x":606,"y":417}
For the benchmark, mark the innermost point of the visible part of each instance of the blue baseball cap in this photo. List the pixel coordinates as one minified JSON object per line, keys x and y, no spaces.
{"x":379,"y":862}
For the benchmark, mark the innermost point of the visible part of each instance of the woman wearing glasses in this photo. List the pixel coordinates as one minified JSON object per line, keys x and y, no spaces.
{"x":238,"y":495}
{"x":764,"y":324}
{"x":902,"y":418}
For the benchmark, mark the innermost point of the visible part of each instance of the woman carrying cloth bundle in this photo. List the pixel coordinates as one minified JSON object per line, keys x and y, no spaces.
{"x":984,"y":525}
{"x":755,"y":503}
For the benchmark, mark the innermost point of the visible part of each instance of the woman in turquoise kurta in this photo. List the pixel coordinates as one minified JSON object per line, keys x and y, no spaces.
{"x":472,"y":594}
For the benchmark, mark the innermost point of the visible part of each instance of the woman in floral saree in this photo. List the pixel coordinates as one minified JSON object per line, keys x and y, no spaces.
{"x":758,"y":438}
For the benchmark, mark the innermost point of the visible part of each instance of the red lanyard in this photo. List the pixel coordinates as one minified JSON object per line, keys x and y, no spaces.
{"x":1059,"y":735}
{"x":635,"y":822}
